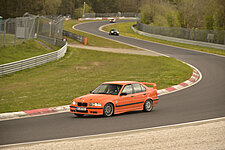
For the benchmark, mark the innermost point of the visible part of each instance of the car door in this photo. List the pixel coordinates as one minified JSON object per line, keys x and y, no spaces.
{"x":140,"y":96}
{"x":126,"y":99}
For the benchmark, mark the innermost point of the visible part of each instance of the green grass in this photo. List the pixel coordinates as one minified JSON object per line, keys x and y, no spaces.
{"x":125,"y":29}
{"x":25,"y":50}
{"x":93,"y":40}
{"x":80,"y":71}
{"x":9,"y":40}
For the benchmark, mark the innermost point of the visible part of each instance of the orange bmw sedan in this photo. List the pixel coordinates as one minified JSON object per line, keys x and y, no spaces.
{"x":116,"y":97}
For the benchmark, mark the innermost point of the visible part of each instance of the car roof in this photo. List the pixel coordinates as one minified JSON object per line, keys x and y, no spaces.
{"x":120,"y":82}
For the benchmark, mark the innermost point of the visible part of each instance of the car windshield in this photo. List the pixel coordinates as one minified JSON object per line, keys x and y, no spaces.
{"x":112,"y":89}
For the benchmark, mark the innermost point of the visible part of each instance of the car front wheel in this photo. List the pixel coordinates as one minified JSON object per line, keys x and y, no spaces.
{"x":108,"y":110}
{"x":148,"y":106}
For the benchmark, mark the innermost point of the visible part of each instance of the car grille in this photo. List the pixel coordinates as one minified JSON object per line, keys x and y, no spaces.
{"x":82,"y":104}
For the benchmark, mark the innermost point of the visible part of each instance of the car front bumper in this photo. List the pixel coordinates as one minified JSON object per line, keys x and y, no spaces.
{"x":89,"y":110}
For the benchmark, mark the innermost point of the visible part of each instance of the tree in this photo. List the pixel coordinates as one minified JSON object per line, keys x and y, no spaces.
{"x":51,"y":7}
{"x":15,"y":8}
{"x":159,"y":13}
{"x":66,"y":7}
{"x":78,"y":12}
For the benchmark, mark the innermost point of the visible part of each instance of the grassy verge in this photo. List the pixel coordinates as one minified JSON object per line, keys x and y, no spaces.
{"x":125,"y":29}
{"x":93,"y":40}
{"x":80,"y":71}
{"x":25,"y":50}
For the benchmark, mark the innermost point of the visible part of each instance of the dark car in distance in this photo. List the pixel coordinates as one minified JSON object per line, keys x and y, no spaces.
{"x":114,"y":32}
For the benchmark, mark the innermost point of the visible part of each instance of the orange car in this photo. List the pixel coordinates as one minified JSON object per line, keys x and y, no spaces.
{"x":116,"y":97}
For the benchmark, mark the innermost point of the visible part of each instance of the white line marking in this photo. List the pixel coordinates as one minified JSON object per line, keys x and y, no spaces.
{"x":121,"y":132}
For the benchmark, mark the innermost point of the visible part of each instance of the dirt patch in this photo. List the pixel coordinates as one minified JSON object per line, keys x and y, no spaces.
{"x":117,"y":50}
{"x":44,"y":45}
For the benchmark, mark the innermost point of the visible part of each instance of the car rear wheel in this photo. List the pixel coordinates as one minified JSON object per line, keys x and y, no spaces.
{"x":79,"y":115}
{"x":108,"y":110}
{"x":148,"y":106}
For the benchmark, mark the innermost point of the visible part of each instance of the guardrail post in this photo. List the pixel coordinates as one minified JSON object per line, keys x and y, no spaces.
{"x":15,"y":32}
{"x":38,"y":24}
{"x":1,"y":70}
{"x":4,"y":31}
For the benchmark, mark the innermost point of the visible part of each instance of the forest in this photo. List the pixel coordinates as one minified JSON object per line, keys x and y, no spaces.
{"x":194,"y":14}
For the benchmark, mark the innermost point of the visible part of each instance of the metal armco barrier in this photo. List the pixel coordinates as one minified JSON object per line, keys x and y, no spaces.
{"x":32,"y":62}
{"x":210,"y":36}
{"x":79,"y":38}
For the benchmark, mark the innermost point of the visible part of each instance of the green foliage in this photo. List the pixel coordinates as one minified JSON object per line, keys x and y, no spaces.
{"x":158,"y":13}
{"x":201,"y":14}
{"x":209,"y":22}
{"x":50,"y":7}
{"x":16,"y":8}
{"x":66,"y":7}
{"x":147,"y":14}
{"x":78,"y":12}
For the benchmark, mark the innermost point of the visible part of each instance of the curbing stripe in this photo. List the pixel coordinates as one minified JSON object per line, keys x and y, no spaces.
{"x":183,"y":84}
{"x":194,"y":79}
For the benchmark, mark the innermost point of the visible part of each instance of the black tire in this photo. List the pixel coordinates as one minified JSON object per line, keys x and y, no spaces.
{"x":148,"y":106}
{"x":79,"y":115}
{"x":108,"y":110}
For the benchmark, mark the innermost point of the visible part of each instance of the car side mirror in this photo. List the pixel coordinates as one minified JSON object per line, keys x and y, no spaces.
{"x":91,"y":91}
{"x":123,"y":94}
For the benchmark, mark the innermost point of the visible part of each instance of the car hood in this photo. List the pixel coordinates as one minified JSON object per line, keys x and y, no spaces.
{"x":95,"y":98}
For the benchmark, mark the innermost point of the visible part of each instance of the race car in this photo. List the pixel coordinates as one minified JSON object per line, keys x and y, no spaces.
{"x":116,"y":97}
{"x":114,"y":32}
{"x":112,"y":20}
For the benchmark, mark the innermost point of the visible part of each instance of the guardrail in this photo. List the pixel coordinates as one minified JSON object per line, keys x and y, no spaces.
{"x":79,"y":38}
{"x":32,"y":62}
{"x":210,"y":36}
{"x":180,"y":40}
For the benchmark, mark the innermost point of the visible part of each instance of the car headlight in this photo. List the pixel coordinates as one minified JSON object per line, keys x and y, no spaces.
{"x":74,"y":103}
{"x":95,"y":104}
{"x":111,"y":31}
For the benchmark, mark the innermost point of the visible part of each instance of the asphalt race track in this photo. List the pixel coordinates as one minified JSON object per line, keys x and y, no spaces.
{"x":205,"y":100}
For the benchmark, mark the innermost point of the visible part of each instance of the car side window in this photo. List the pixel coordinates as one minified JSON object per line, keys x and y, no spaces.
{"x":128,"y":89}
{"x":137,"y":88}
{"x":143,"y":89}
